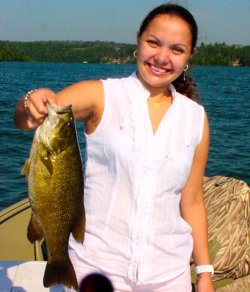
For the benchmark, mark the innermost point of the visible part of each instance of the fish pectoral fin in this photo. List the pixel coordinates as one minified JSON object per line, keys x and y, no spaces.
{"x":34,"y":231}
{"x":26,"y":168}
{"x":47,"y":163}
{"x":45,"y":156}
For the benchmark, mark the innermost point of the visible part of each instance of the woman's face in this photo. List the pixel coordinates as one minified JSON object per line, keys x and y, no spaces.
{"x":164,"y":49}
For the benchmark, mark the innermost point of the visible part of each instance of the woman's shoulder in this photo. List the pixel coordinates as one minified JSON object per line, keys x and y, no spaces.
{"x":188,"y":109}
{"x":118,"y":88}
{"x":188,"y":102}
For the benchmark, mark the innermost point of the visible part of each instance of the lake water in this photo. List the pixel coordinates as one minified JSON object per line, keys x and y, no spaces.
{"x":225,"y":94}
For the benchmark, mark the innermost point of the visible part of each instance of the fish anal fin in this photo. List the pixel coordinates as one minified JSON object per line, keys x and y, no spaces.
{"x":34,"y":231}
{"x":60,"y":272}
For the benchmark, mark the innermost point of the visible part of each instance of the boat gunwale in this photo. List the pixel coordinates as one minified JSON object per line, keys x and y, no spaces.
{"x":14,"y":209}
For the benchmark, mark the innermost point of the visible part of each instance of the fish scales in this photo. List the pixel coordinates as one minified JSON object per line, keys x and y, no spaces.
{"x":55,"y":186}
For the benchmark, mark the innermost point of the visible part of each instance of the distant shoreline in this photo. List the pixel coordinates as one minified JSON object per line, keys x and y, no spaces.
{"x":113,"y":53}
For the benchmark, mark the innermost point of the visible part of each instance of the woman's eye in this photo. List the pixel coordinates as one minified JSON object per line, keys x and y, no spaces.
{"x":177,"y":50}
{"x":153,"y":43}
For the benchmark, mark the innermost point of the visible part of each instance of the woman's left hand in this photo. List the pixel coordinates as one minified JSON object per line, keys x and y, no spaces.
{"x":205,"y":283}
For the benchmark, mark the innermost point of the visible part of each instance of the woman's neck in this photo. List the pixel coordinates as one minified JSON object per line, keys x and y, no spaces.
{"x":156,"y":93}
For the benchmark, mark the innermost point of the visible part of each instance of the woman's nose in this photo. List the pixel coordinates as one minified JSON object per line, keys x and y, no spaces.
{"x":162,"y":56}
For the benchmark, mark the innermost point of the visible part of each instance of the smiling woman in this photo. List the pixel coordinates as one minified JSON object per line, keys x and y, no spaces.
{"x":145,"y":164}
{"x":182,"y":42}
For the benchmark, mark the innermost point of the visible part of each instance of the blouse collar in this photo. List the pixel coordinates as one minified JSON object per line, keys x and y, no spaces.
{"x":145,"y":92}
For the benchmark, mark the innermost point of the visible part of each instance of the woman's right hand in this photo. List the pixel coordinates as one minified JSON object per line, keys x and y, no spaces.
{"x":30,"y":114}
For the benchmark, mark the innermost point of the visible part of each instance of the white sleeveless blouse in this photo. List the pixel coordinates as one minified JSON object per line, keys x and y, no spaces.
{"x":133,"y":181}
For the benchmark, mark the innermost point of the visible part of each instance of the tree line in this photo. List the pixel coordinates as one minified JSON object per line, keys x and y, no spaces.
{"x":110,"y":52}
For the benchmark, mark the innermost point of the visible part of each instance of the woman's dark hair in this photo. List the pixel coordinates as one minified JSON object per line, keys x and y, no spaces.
{"x":183,"y":85}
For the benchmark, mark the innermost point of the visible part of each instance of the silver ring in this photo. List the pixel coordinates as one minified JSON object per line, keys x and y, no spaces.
{"x":26,"y":98}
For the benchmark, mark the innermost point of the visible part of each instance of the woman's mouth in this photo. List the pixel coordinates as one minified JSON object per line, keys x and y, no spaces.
{"x":158,"y":69}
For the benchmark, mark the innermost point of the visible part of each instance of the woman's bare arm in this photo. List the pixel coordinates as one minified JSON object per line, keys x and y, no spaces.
{"x":86,"y":98}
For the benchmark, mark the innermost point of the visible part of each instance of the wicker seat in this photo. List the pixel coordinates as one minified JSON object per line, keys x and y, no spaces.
{"x":228,"y":210}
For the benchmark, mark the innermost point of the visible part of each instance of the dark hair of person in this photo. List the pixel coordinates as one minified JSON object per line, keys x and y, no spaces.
{"x":183,"y":85}
{"x":96,"y":282}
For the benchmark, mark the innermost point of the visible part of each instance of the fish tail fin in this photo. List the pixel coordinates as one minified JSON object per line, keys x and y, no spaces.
{"x":60,"y":273}
{"x":79,"y":227}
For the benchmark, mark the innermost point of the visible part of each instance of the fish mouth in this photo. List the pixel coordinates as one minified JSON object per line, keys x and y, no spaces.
{"x":50,"y":126}
{"x":56,"y":112}
{"x":43,"y":134}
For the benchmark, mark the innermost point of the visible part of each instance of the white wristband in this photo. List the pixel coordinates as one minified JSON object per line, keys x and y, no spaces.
{"x":204,"y":269}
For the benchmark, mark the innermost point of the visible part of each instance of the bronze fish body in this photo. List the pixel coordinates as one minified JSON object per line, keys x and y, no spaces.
{"x":55,"y":186}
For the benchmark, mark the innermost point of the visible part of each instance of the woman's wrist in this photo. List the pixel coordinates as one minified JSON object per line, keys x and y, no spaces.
{"x":26,"y":98}
{"x":204,"y":269}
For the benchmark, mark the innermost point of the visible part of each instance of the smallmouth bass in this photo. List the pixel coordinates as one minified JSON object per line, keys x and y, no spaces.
{"x":55,"y":186}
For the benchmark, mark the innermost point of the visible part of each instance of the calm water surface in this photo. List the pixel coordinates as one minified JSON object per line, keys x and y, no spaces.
{"x":225,"y":94}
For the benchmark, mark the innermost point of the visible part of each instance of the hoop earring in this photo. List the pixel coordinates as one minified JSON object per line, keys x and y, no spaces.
{"x":184,"y":70}
{"x":135,"y":54}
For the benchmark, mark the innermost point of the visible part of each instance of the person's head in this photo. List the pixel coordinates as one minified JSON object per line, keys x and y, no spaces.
{"x":96,"y":283}
{"x":166,"y":40}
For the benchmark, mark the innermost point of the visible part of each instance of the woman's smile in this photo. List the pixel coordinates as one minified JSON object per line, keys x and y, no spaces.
{"x":157,"y":69}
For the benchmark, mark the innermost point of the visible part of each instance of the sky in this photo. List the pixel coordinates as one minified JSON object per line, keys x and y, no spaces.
{"x":117,"y":20}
